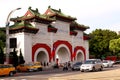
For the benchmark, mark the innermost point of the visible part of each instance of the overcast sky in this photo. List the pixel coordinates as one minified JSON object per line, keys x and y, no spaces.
{"x":97,"y":14}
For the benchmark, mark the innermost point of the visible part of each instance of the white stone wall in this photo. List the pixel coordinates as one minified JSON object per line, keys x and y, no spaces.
{"x":86,"y":45}
{"x":78,"y":39}
{"x":20,"y":41}
{"x":63,"y":30}
{"x":42,"y":36}
{"x":27,"y":47}
{"x":25,"y":41}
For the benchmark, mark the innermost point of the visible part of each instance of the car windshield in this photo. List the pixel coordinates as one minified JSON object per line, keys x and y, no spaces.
{"x":89,"y":62}
{"x":78,"y":63}
{"x":29,"y":64}
{"x":105,"y":61}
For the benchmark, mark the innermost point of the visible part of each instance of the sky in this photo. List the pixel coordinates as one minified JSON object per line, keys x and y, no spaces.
{"x":97,"y":14}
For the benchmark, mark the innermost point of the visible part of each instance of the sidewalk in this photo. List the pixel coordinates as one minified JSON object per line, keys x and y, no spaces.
{"x":101,"y":75}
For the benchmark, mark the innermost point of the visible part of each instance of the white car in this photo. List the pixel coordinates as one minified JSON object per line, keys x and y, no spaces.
{"x":92,"y":65}
{"x":107,"y":63}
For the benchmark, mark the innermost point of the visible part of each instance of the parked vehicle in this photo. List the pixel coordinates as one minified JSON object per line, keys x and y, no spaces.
{"x":65,"y":67}
{"x":38,"y":66}
{"x":117,"y":62}
{"x":7,"y":69}
{"x":92,"y":65}
{"x":107,"y":63}
{"x":26,"y":67}
{"x":76,"y":66}
{"x":55,"y":66}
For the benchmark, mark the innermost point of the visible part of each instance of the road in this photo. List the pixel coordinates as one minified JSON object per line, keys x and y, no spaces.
{"x":50,"y":73}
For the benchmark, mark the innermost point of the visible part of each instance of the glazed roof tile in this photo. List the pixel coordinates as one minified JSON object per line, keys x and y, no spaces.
{"x":59,"y":13}
{"x":19,"y":25}
{"x":34,"y":14}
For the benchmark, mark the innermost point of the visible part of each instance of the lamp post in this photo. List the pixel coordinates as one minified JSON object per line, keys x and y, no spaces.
{"x":7,"y":34}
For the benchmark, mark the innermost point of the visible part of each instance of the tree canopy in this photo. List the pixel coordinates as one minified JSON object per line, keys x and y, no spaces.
{"x":99,"y":42}
{"x":2,"y":39}
{"x":115,"y":45}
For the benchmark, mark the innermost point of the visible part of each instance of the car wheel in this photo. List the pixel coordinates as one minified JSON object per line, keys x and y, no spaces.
{"x":101,"y":68}
{"x":93,"y":69}
{"x":82,"y":70}
{"x":40,"y":69}
{"x":78,"y":69}
{"x":72,"y":69}
{"x":11,"y":74}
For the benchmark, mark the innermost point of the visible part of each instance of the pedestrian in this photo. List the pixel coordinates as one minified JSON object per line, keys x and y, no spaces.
{"x":44,"y":64}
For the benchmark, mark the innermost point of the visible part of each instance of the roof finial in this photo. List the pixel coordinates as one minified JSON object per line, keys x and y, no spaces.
{"x":59,"y":10}
{"x":30,"y":7}
{"x":36,"y":9}
{"x":49,"y":6}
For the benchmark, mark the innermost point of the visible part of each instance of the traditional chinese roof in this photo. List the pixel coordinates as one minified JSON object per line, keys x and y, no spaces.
{"x":52,"y":29}
{"x":23,"y":26}
{"x":57,"y":14}
{"x":75,"y":26}
{"x":34,"y":15}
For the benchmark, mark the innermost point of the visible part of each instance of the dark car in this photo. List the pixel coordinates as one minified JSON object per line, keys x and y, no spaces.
{"x":76,"y":66}
{"x":55,"y":66}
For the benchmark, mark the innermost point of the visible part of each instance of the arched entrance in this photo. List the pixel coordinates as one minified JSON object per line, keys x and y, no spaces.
{"x":79,"y":57}
{"x":41,"y":57}
{"x":63,"y":55}
{"x":40,"y":50}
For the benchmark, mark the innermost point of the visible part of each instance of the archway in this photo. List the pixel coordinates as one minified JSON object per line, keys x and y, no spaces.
{"x":62,"y":55}
{"x":37,"y":48}
{"x":41,"y":57}
{"x":79,"y":57}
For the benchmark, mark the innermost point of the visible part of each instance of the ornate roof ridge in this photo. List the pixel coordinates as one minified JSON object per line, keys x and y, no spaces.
{"x":56,"y":12}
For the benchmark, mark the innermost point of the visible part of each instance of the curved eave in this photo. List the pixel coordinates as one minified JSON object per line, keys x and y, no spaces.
{"x":23,"y":29}
{"x":52,"y":30}
{"x":81,"y":28}
{"x":63,"y":18}
{"x":67,"y":17}
{"x":34,"y":18}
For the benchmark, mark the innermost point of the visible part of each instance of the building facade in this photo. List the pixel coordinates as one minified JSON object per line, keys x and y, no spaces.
{"x":50,"y":37}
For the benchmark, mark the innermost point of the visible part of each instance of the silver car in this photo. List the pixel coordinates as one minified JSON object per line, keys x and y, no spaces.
{"x":107,"y":63}
{"x":92,"y":65}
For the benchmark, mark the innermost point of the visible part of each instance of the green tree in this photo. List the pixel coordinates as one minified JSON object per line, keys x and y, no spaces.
{"x":115,"y":46}
{"x":1,"y":56}
{"x":99,"y":42}
{"x":2,"y":39}
{"x":21,"y":58}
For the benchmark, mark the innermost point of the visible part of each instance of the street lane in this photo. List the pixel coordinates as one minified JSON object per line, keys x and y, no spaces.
{"x":47,"y":73}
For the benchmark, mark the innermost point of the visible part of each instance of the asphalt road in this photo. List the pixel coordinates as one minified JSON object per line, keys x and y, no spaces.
{"x":47,"y":73}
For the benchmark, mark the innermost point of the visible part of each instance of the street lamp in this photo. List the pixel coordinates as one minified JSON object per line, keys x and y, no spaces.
{"x":7,"y":34}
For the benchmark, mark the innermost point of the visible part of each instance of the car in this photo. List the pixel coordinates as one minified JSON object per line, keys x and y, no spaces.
{"x":7,"y":69}
{"x":26,"y":67}
{"x":38,"y":66}
{"x":55,"y":66}
{"x":107,"y":63}
{"x":117,"y":62}
{"x":76,"y":66}
{"x":65,"y":67}
{"x":92,"y":65}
